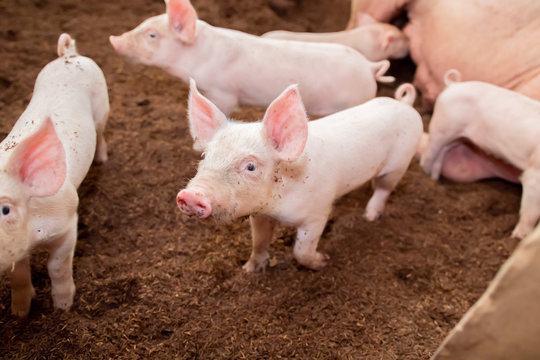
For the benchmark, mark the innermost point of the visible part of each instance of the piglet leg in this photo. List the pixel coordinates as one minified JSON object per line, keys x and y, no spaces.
{"x":383,"y":186}
{"x":307,"y":239}
{"x":60,"y":267}
{"x":22,"y":290}
{"x":262,"y":229}
{"x":101,"y":145}
{"x":529,"y":212}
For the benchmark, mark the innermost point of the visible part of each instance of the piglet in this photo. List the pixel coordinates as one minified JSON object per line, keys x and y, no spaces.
{"x":376,"y":41}
{"x":43,"y":160}
{"x":479,"y":130}
{"x":233,"y":67}
{"x":288,"y":170}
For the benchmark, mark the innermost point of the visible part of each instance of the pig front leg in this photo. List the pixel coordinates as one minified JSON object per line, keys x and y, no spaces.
{"x":529,"y":212}
{"x":307,"y":239}
{"x":262,"y":229}
{"x":22,"y":290}
{"x":60,"y":267}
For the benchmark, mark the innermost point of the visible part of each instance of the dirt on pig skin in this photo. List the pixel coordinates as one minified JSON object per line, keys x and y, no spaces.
{"x":153,"y":284}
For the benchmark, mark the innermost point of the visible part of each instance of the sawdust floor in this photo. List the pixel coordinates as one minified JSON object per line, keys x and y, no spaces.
{"x":152,"y":284}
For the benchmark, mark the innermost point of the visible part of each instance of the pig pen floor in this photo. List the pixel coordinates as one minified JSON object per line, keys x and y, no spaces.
{"x":153,"y":284}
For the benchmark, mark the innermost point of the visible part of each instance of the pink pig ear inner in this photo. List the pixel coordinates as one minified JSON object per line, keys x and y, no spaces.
{"x":285,"y":124}
{"x":204,"y":117}
{"x":40,"y":161}
{"x":182,"y":19}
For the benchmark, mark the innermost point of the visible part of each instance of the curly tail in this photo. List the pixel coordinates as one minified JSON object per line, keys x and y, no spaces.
{"x":379,"y":68}
{"x":66,"y":46}
{"x":406,"y":93}
{"x":452,"y":76}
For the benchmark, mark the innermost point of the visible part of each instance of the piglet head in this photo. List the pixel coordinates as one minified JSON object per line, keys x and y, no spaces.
{"x":393,"y":41}
{"x":237,"y":174}
{"x":35,"y":168}
{"x":159,"y":40}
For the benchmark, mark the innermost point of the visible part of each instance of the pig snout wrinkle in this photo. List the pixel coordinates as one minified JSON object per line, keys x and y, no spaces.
{"x":193,"y":204}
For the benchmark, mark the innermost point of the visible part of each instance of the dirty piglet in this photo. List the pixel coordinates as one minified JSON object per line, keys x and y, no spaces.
{"x":43,"y":160}
{"x":288,"y":170}
{"x":234,"y":67}
{"x":479,"y":130}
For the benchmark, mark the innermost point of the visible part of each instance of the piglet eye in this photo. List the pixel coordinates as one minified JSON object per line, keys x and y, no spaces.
{"x":153,"y":36}
{"x":251,"y":167}
{"x":5,"y":210}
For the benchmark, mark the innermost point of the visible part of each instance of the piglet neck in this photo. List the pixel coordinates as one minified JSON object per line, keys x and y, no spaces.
{"x":189,"y":59}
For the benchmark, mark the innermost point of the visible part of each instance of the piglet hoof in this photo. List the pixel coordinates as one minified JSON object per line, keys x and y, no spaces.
{"x":315,"y":262}
{"x":102,"y":159}
{"x":21,"y":309}
{"x":372,"y":214}
{"x":521,"y":231}
{"x":63,"y":300}
{"x":255,"y":264}
{"x":101,"y":154}
{"x":20,"y":303}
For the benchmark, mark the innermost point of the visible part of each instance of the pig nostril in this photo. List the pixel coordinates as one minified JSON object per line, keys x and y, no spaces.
{"x":191,"y":204}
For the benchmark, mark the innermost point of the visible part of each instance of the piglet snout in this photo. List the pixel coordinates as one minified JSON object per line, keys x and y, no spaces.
{"x":192,"y":203}
{"x":115,"y":42}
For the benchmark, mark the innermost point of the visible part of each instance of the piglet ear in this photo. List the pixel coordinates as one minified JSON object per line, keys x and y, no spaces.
{"x":386,"y":39}
{"x":182,"y":19}
{"x":39,"y":162}
{"x":285,"y":124}
{"x":363,"y":19}
{"x":204,"y":117}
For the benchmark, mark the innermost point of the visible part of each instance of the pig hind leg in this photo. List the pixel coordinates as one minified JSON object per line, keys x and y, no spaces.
{"x":262,"y":229}
{"x":101,"y":145}
{"x":529,"y":213}
{"x":432,"y":160}
{"x":22,"y":290}
{"x":100,"y":120}
{"x":383,"y":186}
{"x":307,"y":239}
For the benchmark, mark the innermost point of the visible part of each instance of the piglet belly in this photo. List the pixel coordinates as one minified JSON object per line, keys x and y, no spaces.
{"x":465,"y":162}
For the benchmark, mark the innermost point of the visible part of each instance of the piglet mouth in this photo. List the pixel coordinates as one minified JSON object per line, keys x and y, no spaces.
{"x":193,"y":203}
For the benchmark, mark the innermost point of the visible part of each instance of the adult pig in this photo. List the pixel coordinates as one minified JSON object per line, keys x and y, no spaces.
{"x":43,"y":160}
{"x":505,"y":322}
{"x":233,"y":67}
{"x":375,"y":40}
{"x":494,"y":41}
{"x":288,"y":170}
{"x":503,"y":126}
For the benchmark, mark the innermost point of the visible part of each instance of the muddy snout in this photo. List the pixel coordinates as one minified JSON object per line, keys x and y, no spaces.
{"x":193,"y":204}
